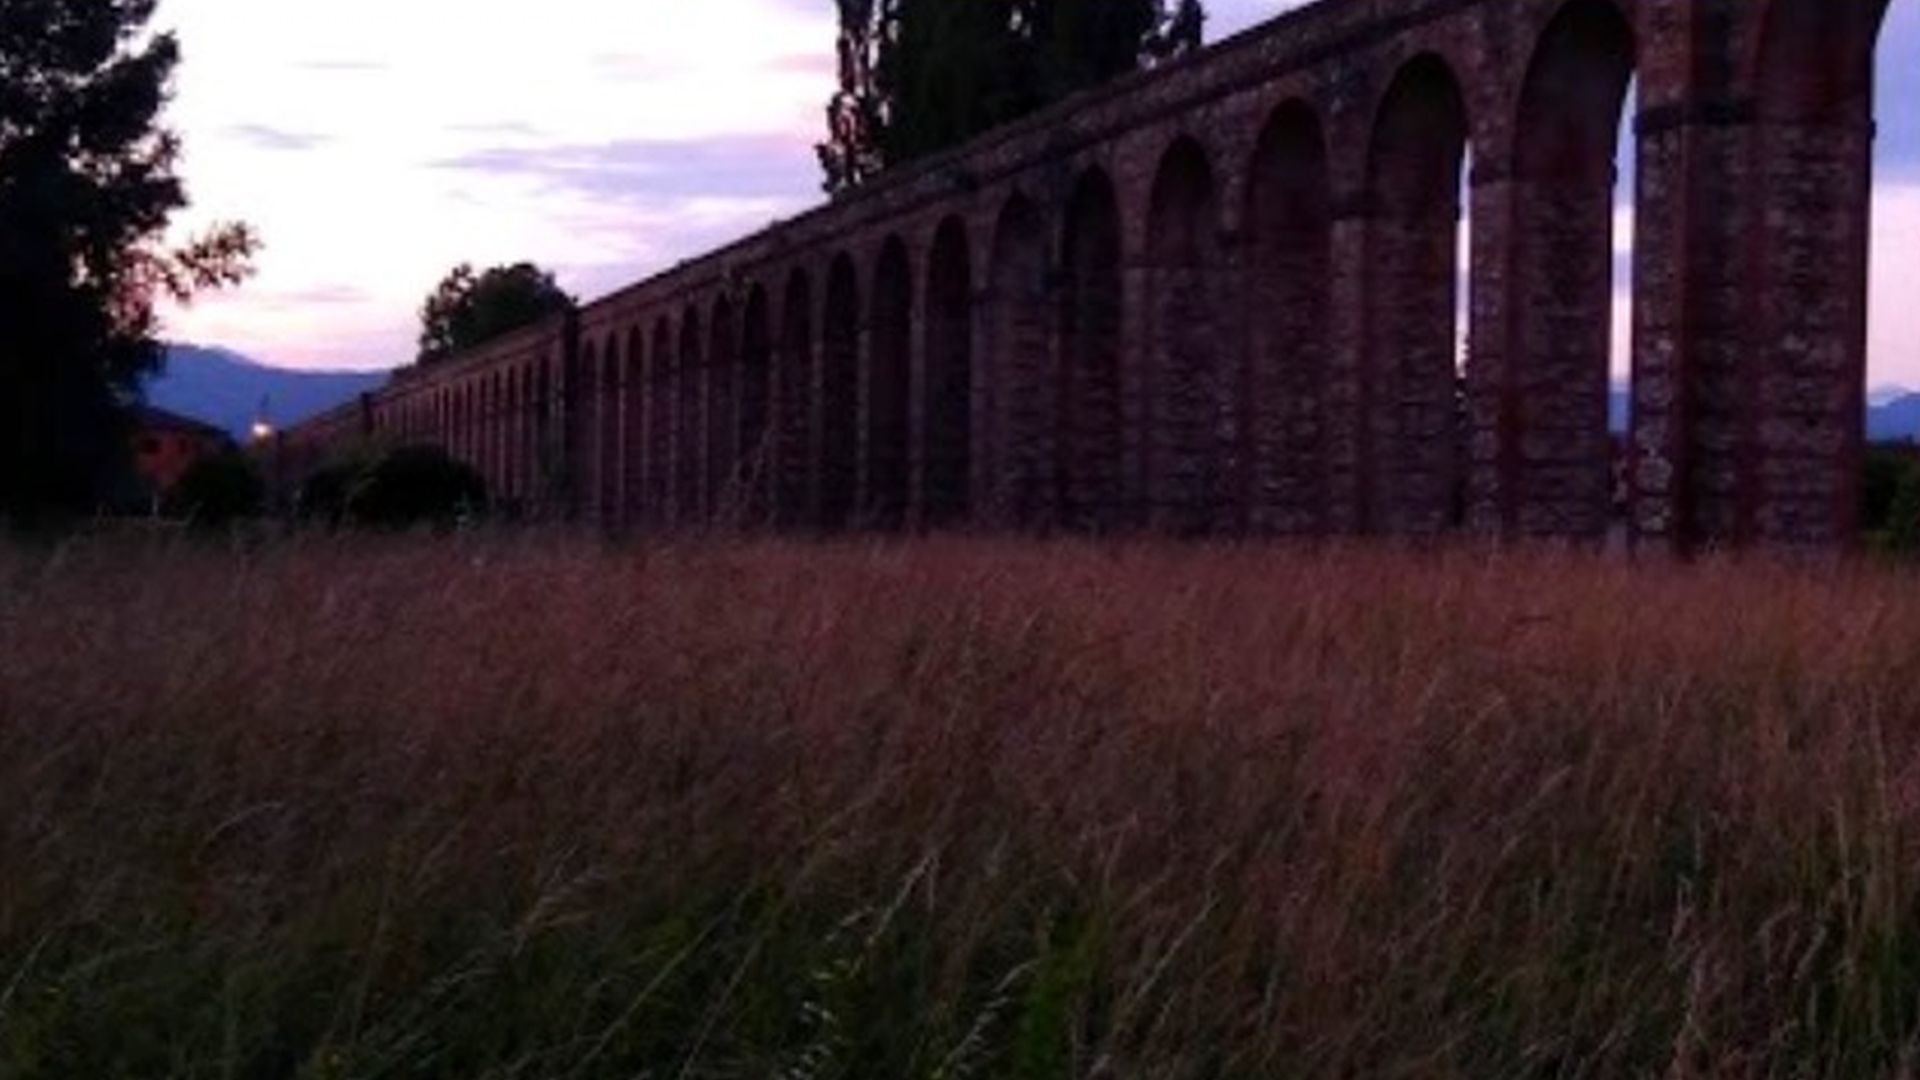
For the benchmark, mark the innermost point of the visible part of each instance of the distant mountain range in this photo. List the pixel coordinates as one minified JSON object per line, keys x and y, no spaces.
{"x":1893,"y":413}
{"x":231,"y":391}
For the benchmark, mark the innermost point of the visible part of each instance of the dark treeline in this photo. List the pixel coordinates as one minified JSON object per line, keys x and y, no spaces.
{"x":88,"y":183}
{"x":919,"y":76}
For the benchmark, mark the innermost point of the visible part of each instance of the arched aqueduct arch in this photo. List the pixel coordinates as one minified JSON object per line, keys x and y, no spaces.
{"x":1223,"y":298}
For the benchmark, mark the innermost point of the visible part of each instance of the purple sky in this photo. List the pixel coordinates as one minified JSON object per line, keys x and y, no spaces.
{"x":572,"y":134}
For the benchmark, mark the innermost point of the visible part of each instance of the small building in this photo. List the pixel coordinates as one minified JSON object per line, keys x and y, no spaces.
{"x":166,"y":445}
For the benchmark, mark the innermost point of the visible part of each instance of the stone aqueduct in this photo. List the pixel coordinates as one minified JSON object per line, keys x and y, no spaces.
{"x":1223,"y":297}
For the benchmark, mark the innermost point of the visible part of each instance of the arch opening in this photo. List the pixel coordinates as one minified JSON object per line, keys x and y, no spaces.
{"x":633,"y":430}
{"x":1191,"y":421}
{"x":722,"y":420}
{"x":793,"y":390}
{"x":1290,"y":230}
{"x":1093,"y":492}
{"x":889,"y":374}
{"x":1557,"y":456}
{"x":1410,"y":466}
{"x":948,"y":404}
{"x":583,"y":455}
{"x":1019,"y":398}
{"x":1804,"y":379}
{"x":612,"y":391}
{"x":756,"y":393}
{"x":840,"y":396}
{"x":689,"y":425}
{"x":662,"y":369}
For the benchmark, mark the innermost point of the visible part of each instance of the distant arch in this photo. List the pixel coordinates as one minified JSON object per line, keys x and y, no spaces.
{"x":840,"y":395}
{"x":633,"y":428}
{"x":793,"y":406}
{"x":611,"y":457}
{"x":889,"y":373}
{"x":947,"y":406}
{"x":1091,"y":469}
{"x":1021,"y":392}
{"x":1189,"y":406}
{"x":756,"y":393}
{"x":1289,"y":303}
{"x":722,"y":419}
{"x":529,"y":436}
{"x":663,"y":369}
{"x":689,"y":424}
{"x":583,"y":455}
{"x":1411,"y":467}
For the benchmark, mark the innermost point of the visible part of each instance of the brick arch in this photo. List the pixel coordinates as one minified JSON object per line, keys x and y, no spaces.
{"x":1290,"y":260}
{"x":1555,"y":463}
{"x":1802,"y":385}
{"x":722,"y":383}
{"x":886,"y":395}
{"x":1091,"y":469}
{"x":947,"y":405}
{"x":754,"y":411}
{"x":607,"y":408}
{"x":1410,"y":466}
{"x":527,"y":445}
{"x":583,"y":474}
{"x":1020,"y":426}
{"x":839,"y":411}
{"x":689,"y":422}
{"x":663,"y":368}
{"x":1189,"y":379}
{"x":633,"y":428}
{"x":1813,"y":60}
{"x":793,"y":396}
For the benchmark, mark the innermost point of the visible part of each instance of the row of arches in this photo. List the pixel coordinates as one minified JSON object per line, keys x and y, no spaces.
{"x":1269,"y":337}
{"x":496,"y":420}
{"x":799,"y":407}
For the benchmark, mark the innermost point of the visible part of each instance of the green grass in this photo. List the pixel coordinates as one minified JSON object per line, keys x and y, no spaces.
{"x":537,"y":807}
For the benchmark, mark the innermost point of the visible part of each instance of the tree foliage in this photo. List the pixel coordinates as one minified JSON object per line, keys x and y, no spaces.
{"x":88,"y":184}
{"x":217,"y":491}
{"x":469,"y":309}
{"x":396,"y":488}
{"x":919,"y":76}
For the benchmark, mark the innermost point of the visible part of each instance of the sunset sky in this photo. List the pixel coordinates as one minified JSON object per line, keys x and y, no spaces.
{"x":375,"y":144}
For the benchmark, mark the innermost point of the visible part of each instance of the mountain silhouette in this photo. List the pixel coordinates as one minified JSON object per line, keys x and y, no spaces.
{"x":227,"y":390}
{"x":1893,"y":413}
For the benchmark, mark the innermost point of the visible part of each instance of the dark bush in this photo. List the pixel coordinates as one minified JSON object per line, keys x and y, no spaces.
{"x":217,"y":491}
{"x":325,"y":494}
{"x":1880,"y":477}
{"x":1903,"y":518}
{"x":416,"y":485}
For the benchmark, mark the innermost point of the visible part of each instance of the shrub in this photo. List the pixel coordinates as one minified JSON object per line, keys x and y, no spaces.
{"x":1881,"y":474}
{"x":217,"y":491}
{"x":416,"y":485}
{"x":402,"y":487}
{"x":1903,"y":517}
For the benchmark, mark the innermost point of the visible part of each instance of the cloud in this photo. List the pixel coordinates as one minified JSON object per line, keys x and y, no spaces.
{"x":347,"y":67}
{"x":271,"y":138}
{"x":373,"y":152}
{"x":649,"y":170}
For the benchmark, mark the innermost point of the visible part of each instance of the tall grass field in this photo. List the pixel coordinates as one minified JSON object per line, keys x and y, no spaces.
{"x":544,"y":808}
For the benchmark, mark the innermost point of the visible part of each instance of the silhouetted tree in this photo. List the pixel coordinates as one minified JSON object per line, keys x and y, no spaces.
{"x":919,"y":76}
{"x":469,"y":309}
{"x":88,"y":183}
